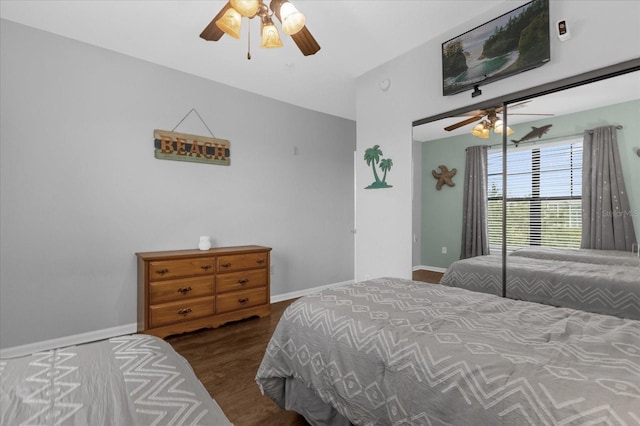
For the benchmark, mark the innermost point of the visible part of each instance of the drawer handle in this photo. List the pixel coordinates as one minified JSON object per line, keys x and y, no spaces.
{"x":162,"y":271}
{"x":243,"y":300}
{"x":184,"y":290}
{"x":226,"y":265}
{"x":243,"y":281}
{"x":184,"y":311}
{"x":205,"y":267}
{"x":260,"y":261}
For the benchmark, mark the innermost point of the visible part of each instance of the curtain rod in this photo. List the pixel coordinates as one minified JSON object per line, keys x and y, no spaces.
{"x":619,"y":127}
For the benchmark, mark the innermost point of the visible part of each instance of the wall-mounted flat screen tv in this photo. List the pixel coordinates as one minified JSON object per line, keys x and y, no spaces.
{"x":509,"y":44}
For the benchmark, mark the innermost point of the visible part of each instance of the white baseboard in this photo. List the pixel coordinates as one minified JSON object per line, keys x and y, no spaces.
{"x":296,"y":294}
{"x":62,"y":342}
{"x":107,"y":333}
{"x":430,"y":268}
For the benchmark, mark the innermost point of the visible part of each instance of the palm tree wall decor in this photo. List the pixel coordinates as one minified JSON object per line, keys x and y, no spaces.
{"x":373,"y":156}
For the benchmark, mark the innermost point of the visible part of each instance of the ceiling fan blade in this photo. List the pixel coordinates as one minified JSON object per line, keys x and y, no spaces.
{"x":212,"y":32}
{"x":499,"y":109}
{"x":305,"y":42}
{"x":473,"y":113}
{"x":303,"y":38}
{"x":463,"y":123}
{"x":519,"y":104}
{"x":529,"y":113}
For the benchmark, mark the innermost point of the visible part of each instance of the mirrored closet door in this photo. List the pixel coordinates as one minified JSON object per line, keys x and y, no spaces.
{"x":541,"y":154}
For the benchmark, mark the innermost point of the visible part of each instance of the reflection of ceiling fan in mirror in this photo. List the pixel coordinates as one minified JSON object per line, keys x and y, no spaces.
{"x":229,"y":20}
{"x":490,"y":120}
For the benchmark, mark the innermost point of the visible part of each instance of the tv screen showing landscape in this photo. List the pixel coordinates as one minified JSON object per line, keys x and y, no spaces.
{"x":512,"y":43}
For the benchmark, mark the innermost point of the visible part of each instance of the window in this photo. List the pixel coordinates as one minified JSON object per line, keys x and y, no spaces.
{"x":544,"y":188}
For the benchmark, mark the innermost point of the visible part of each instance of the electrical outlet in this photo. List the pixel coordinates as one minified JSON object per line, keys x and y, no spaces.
{"x":271,"y":268}
{"x":444,"y":250}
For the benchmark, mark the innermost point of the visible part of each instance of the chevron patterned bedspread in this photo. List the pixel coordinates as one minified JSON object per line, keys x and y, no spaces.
{"x":128,"y":380}
{"x":603,"y":257}
{"x":399,"y":352}
{"x":591,"y":287}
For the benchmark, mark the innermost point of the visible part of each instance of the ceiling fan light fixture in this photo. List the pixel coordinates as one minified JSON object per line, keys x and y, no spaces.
{"x":292,"y":20}
{"x":498,"y":127}
{"x":481,"y":130}
{"x":270,"y":36}
{"x":230,"y":22}
{"x":247,"y":8}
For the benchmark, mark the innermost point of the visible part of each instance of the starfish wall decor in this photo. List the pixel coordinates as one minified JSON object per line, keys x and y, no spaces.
{"x":444,"y":176}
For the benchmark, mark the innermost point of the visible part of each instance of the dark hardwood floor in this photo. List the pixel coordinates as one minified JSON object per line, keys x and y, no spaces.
{"x":226,"y":360}
{"x":427,"y":276}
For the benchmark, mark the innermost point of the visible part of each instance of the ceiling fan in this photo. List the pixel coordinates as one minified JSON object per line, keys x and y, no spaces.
{"x":490,"y":120}
{"x":229,"y":20}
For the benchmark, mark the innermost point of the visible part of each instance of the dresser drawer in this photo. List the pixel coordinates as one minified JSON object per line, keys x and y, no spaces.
{"x":171,"y":313}
{"x":178,"y":290}
{"x":242,"y":261}
{"x":241,"y":299}
{"x":167,"y":269}
{"x":241,"y":280}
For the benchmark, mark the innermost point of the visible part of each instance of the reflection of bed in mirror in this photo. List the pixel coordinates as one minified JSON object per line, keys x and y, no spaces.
{"x":603,"y":257}
{"x":559,"y":210}
{"x":604,"y":282}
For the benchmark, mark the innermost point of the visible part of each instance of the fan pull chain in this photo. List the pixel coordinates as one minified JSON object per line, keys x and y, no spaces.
{"x":249,"y":41}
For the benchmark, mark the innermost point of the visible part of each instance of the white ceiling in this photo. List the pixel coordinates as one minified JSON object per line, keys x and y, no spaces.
{"x":355,"y":36}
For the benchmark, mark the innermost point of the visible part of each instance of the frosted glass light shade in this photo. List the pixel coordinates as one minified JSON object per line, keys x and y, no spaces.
{"x":498,"y":127}
{"x":270,"y":36}
{"x":247,"y":8}
{"x":230,"y":23}
{"x":292,"y":20}
{"x":481,"y":131}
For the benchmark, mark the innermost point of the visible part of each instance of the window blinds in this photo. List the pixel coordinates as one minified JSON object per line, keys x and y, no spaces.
{"x":544,"y":186}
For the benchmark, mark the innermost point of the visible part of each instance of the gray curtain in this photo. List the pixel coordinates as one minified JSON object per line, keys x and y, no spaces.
{"x":475,"y":227}
{"x":606,"y":215}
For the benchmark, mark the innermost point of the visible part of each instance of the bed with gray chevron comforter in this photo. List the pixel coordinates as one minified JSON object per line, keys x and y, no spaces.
{"x":612,"y":289}
{"x":398,"y":352}
{"x":128,"y":380}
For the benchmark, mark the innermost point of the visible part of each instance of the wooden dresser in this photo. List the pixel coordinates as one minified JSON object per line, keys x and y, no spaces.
{"x":185,"y":290}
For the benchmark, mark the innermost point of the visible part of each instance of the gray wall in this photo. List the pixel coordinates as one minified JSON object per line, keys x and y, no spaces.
{"x":81,"y":192}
